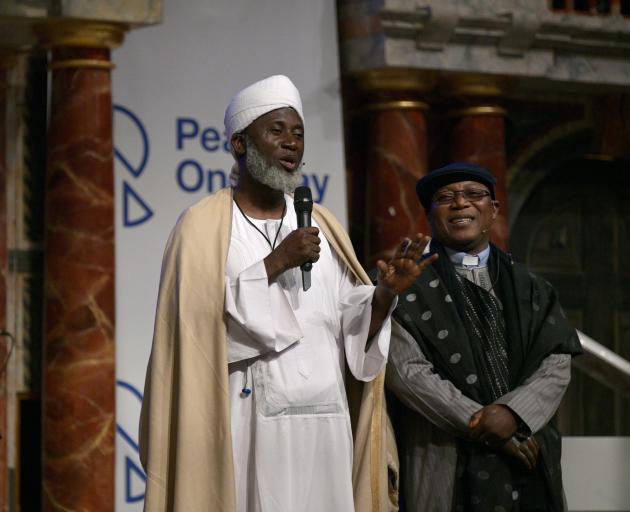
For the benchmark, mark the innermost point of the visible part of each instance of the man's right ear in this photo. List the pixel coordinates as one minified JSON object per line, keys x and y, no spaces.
{"x":238,"y":144}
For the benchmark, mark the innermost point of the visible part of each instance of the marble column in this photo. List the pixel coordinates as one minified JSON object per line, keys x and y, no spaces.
{"x":615,"y":7}
{"x":396,"y":151}
{"x":477,"y":135}
{"x":6,"y":62}
{"x":79,"y":363}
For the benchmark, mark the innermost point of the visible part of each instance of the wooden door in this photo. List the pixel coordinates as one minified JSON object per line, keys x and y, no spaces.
{"x":575,"y":231}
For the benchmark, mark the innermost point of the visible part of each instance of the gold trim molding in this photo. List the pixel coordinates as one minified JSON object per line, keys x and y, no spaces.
{"x":58,"y":33}
{"x":81,"y":63}
{"x":480,"y":110}
{"x":395,"y":80}
{"x":473,"y":84}
{"x":394,"y":105}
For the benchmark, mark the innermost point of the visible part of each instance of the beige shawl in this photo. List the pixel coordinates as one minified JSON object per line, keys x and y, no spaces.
{"x":185,"y":439}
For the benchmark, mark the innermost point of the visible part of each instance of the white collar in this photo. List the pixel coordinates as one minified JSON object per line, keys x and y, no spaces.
{"x":463,"y":259}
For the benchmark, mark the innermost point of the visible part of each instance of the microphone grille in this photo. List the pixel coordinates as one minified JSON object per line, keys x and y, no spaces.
{"x":303,"y":199}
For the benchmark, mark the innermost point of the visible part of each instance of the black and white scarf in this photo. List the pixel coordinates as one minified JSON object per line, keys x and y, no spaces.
{"x":488,"y":346}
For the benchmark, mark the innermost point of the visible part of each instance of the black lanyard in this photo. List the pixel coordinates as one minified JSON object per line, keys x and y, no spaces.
{"x":273,"y":246}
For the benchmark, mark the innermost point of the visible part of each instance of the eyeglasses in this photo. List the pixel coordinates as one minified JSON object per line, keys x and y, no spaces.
{"x":471,"y":194}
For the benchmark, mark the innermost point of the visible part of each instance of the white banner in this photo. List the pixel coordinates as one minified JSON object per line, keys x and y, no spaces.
{"x":171,"y":86}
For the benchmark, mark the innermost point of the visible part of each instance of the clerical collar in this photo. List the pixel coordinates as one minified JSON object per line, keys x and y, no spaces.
{"x":463,"y":259}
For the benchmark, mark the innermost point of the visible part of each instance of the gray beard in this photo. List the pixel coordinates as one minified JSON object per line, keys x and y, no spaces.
{"x":270,"y":175}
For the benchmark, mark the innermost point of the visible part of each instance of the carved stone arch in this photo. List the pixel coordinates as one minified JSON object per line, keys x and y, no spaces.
{"x":540,"y":158}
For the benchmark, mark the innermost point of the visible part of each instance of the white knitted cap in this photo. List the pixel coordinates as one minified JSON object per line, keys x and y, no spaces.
{"x":259,"y":98}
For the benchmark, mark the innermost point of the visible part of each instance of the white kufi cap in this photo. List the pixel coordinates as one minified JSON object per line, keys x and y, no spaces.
{"x":257,"y":99}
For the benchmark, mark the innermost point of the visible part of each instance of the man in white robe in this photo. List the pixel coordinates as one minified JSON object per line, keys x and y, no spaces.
{"x":291,"y":435}
{"x":286,"y":349}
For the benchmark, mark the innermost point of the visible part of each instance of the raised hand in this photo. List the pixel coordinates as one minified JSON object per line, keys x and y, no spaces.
{"x":405,"y":266}
{"x":298,"y":247}
{"x":396,"y":276}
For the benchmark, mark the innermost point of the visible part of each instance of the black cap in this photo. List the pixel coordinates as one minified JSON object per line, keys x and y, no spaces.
{"x":452,"y":173}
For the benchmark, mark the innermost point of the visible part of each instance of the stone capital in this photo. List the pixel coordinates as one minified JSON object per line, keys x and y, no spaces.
{"x":390,"y":89}
{"x":474,"y":85}
{"x":21,"y":22}
{"x":86,"y":34}
{"x":395,"y":80}
{"x":473,"y":94}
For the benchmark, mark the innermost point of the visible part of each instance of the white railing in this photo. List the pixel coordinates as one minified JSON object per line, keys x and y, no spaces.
{"x":604,"y":365}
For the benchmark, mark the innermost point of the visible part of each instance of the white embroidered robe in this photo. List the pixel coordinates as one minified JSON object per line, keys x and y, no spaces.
{"x":291,"y":437}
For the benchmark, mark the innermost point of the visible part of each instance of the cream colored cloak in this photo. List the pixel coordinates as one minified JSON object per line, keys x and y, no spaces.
{"x":185,"y":436}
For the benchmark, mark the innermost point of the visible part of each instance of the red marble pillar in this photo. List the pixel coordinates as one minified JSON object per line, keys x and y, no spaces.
{"x":4,"y":341}
{"x":478,"y":135}
{"x":79,"y":363}
{"x":396,"y":159}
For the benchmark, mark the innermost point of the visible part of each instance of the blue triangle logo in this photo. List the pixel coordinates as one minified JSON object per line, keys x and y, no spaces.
{"x":136,"y":171}
{"x":133,"y":474}
{"x":135,"y":210}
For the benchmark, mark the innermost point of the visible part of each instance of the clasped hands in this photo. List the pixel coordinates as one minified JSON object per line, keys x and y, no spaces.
{"x":495,"y":426}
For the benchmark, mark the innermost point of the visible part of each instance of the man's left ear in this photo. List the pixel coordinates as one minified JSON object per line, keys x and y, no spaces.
{"x":495,"y":209}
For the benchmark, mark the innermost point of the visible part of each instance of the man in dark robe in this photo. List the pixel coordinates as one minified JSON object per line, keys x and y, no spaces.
{"x":479,"y":361}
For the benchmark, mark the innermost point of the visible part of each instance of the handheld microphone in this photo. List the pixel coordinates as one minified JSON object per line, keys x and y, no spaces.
{"x":303,"y":203}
